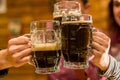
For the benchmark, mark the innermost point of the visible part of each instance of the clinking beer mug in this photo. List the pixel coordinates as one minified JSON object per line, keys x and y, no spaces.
{"x":46,"y":45}
{"x":76,"y":40}
{"x":76,"y":33}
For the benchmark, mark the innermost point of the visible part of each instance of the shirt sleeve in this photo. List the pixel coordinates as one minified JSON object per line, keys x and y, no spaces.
{"x":3,"y":72}
{"x":113,"y":71}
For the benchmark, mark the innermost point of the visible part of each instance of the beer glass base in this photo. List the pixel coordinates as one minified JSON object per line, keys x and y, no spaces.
{"x":47,"y":70}
{"x":76,"y":65}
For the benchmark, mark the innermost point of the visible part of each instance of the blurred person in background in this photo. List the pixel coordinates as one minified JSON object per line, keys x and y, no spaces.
{"x":82,"y":74}
{"x":114,"y":28}
{"x":113,"y":71}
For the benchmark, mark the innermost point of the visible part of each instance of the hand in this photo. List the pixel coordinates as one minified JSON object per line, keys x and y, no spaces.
{"x":100,"y":45}
{"x":19,"y":51}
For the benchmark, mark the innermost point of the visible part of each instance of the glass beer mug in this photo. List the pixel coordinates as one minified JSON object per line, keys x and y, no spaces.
{"x":76,"y":32}
{"x":76,"y":40}
{"x":64,"y":8}
{"x":46,"y":46}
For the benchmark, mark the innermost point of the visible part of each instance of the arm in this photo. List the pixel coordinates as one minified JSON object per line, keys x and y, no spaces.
{"x":3,"y":71}
{"x":4,"y":63}
{"x":106,"y":63}
{"x":19,"y":51}
{"x":113,"y":71}
{"x":17,"y":54}
{"x":100,"y":50}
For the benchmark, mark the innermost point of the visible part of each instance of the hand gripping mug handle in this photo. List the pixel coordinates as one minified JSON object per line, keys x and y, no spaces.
{"x":31,"y":61}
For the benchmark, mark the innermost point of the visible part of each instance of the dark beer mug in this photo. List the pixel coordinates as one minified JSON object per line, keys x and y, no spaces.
{"x":76,"y":40}
{"x":46,"y":46}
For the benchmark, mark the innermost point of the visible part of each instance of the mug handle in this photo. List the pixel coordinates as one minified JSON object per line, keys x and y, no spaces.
{"x":31,"y":61}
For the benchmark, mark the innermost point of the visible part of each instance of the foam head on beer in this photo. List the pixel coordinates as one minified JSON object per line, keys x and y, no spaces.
{"x":46,"y":46}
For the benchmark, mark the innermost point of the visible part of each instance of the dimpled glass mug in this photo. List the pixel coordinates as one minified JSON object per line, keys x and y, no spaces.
{"x":46,"y":45}
{"x":76,"y":40}
{"x":76,"y":33}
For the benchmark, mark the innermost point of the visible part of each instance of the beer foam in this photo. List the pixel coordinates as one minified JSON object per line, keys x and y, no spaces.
{"x":57,"y":16}
{"x":80,"y":21}
{"x":46,"y":47}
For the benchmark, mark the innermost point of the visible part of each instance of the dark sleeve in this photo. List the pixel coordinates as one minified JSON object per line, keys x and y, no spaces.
{"x":3,"y":72}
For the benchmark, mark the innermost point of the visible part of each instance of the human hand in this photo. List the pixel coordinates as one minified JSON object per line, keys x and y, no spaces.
{"x":100,"y":50}
{"x":19,"y":51}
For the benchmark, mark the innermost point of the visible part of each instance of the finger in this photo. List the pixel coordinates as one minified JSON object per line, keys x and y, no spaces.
{"x":91,"y":57}
{"x":98,"y":47}
{"x":23,"y":61}
{"x":95,"y":52}
{"x":27,"y":35}
{"x":100,"y":40}
{"x":16,"y":48}
{"x":18,"y":40}
{"x":101,"y":35}
{"x":22,"y":54}
{"x":94,"y":29}
{"x":96,"y":56}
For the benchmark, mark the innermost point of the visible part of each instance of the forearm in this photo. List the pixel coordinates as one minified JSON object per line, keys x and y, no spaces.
{"x":113,"y":71}
{"x":4,"y":62}
{"x":102,"y":62}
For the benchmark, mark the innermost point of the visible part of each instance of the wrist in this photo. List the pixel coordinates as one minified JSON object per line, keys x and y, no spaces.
{"x":4,"y":63}
{"x":105,"y":61}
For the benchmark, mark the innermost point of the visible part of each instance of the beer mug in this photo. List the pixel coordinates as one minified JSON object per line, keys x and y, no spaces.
{"x":46,"y":45}
{"x":76,"y":40}
{"x":64,"y":8}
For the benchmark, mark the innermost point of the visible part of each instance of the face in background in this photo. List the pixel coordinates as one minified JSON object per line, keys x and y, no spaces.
{"x":84,"y":7}
{"x":116,"y":11}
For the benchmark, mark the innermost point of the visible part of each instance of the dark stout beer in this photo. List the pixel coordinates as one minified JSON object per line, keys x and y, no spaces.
{"x":76,"y":40}
{"x":46,"y":55}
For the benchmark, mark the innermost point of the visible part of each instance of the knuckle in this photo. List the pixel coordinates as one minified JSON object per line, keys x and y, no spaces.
{"x":15,"y":58}
{"x":11,"y":41}
{"x":11,"y":49}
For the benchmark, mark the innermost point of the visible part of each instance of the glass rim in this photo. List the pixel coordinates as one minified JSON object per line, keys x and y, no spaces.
{"x":44,"y":21}
{"x":66,"y":1}
{"x":76,"y":2}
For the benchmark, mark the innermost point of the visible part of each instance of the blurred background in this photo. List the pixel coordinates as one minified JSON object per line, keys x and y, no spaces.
{"x":15,"y":18}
